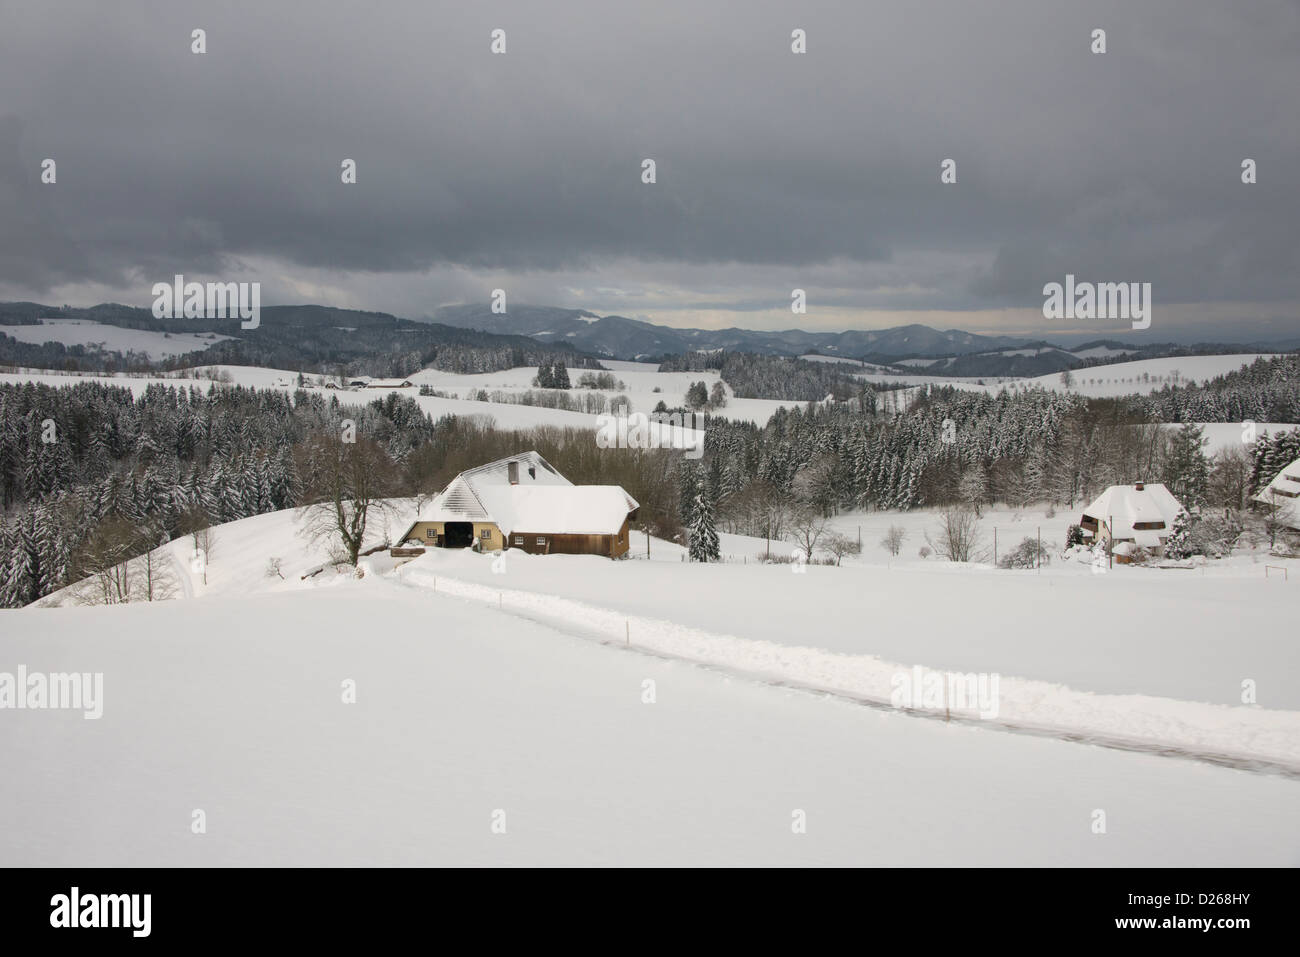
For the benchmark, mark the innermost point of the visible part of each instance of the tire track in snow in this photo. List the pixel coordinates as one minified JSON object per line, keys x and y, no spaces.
{"x":831,"y":674}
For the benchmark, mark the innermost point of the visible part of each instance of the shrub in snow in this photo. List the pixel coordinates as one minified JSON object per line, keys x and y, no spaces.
{"x":1051,"y":512}
{"x":1214,"y":535}
{"x":1073,"y":536}
{"x":892,"y":541}
{"x":840,"y":545}
{"x":1283,"y":549}
{"x":924,"y":551}
{"x":1028,"y":554}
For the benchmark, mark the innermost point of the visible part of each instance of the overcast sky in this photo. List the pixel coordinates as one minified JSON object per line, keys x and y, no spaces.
{"x":775,"y":170}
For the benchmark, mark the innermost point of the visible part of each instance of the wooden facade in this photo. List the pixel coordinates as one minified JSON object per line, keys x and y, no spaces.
{"x":434,"y":534}
{"x":543,"y":543}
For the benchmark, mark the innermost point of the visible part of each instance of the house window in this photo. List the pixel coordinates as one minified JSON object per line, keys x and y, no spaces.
{"x":487,"y":534}
{"x":519,"y":539}
{"x":541,"y":540}
{"x":430,"y":533}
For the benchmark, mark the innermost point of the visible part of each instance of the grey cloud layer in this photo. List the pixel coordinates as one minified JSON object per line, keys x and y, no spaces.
{"x":1121,"y":166}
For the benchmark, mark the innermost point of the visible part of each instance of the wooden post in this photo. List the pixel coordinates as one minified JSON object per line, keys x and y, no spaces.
{"x":1038,"y":555}
{"x":995,"y":546}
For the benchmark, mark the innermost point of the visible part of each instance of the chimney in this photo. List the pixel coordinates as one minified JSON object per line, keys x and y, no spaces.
{"x":512,"y":469}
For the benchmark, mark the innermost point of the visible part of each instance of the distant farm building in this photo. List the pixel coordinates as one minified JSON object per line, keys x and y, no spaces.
{"x":523,"y":502}
{"x":1281,"y":496}
{"x":359,"y":381}
{"x":1142,"y":514}
{"x":389,"y":384}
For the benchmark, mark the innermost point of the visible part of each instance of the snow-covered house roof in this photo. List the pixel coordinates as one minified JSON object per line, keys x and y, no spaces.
{"x":559,"y":510}
{"x":388,"y":384}
{"x":1284,"y":492}
{"x":1144,"y":512}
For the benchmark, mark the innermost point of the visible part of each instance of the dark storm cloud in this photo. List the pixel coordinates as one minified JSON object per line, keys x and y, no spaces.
{"x":1123,"y":166}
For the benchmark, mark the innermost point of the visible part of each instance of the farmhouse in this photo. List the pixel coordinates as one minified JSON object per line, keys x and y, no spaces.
{"x":523,"y":502}
{"x":1282,"y":496}
{"x":388,"y":384}
{"x":1142,"y":514}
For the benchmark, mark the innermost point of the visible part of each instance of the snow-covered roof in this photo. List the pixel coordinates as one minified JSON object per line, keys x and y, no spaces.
{"x":1128,"y":506}
{"x":559,"y":510}
{"x":388,"y":384}
{"x":1284,"y":492}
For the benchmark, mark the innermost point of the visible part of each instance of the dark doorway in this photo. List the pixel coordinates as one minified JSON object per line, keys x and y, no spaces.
{"x":458,"y":535}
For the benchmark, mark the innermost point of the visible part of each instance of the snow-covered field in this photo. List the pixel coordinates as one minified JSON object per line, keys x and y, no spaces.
{"x":1225,"y":435}
{"x":1117,"y":379}
{"x":83,"y":332}
{"x":466,"y":716}
{"x":518,"y":685}
{"x":642,"y":379}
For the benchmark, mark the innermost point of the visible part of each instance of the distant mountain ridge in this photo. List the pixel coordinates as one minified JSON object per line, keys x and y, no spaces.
{"x":618,"y":337}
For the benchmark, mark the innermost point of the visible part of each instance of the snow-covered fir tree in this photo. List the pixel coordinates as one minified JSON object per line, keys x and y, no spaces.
{"x":1179,"y":543}
{"x":703,"y":533}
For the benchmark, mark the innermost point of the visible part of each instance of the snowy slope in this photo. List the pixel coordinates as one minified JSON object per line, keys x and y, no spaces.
{"x":1182,"y":680}
{"x":83,"y":332}
{"x":462,"y":711}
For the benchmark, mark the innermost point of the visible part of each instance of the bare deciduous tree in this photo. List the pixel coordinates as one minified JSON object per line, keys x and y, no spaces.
{"x":839,"y":545}
{"x":958,"y":539}
{"x":122,"y":563}
{"x":806,"y":528}
{"x":892,"y":540}
{"x":156,"y":577}
{"x":346,"y":484}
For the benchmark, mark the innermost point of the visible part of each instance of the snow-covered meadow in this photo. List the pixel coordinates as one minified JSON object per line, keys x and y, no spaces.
{"x":468,"y":719}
